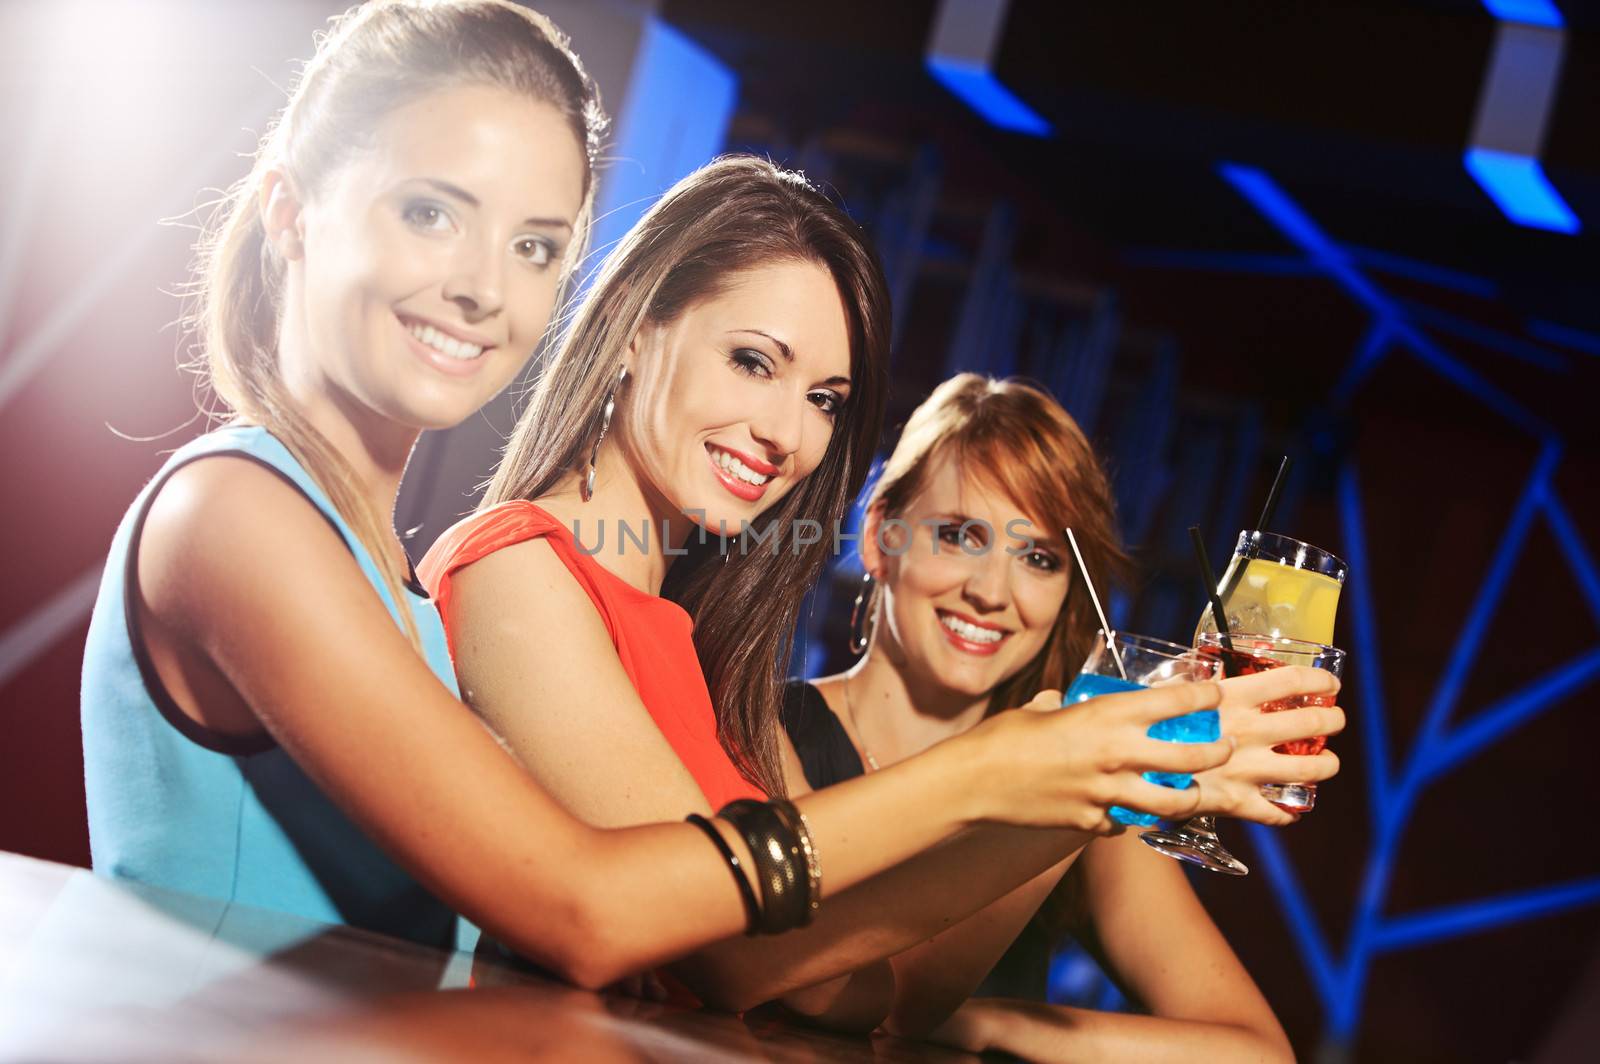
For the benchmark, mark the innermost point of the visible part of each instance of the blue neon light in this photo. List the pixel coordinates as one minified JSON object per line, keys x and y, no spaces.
{"x":675,"y":119}
{"x":1340,"y":980}
{"x":1304,"y":927}
{"x":1426,"y":272}
{"x":1490,"y":338}
{"x":1333,"y":260}
{"x":1566,"y":335}
{"x":1505,"y":715}
{"x":1452,"y":921}
{"x":1470,"y":640}
{"x":1528,"y":12}
{"x":1295,"y":224}
{"x":1373,"y":346}
{"x":1374,"y":729}
{"x":1583,"y":567}
{"x":1469,"y":381}
{"x":982,"y":92}
{"x":1519,"y":188}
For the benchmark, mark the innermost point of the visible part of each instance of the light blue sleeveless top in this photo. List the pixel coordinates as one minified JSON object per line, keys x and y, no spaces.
{"x":235,"y":818}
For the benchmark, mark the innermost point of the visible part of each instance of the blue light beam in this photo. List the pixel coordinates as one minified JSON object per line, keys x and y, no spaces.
{"x":1509,"y":713}
{"x":1468,"y":643}
{"x":1303,"y":924}
{"x":1528,"y":12}
{"x":980,"y":90}
{"x":1374,"y":727}
{"x":1454,"y":921}
{"x":1566,"y":533}
{"x":674,"y":120}
{"x":1553,"y":333}
{"x":1297,"y":226}
{"x":1520,"y":189}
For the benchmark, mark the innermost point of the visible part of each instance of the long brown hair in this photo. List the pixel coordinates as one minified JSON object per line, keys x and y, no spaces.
{"x":733,"y":214}
{"x":373,"y":59}
{"x":1014,"y":435}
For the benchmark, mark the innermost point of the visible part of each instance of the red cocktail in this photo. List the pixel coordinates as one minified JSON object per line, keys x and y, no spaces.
{"x":1256,"y":653}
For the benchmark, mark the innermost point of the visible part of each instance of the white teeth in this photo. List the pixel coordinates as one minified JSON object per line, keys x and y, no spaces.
{"x":970,"y":632}
{"x":737,"y":468}
{"x":445,"y":345}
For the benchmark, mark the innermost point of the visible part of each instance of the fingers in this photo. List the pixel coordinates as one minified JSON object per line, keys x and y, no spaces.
{"x":1048,"y":699}
{"x":1254,"y":807}
{"x":1165,"y":802}
{"x":1161,"y":703}
{"x":1270,"y":729}
{"x":1158,"y":755}
{"x":1275,"y":684}
{"x":1257,"y":765}
{"x":1223,"y":794}
{"x":1299,"y":768}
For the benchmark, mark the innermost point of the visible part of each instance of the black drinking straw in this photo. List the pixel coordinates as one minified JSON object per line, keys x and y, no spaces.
{"x":1272,"y":496}
{"x":1216,"y":601}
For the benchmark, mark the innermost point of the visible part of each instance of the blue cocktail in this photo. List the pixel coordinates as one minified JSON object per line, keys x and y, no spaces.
{"x":1141,"y":662}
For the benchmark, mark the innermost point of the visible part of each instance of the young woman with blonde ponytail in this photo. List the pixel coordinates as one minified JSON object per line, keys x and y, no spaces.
{"x":387,"y":266}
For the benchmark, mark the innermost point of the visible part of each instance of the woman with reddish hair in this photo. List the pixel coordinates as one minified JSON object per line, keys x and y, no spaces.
{"x":970,"y":599}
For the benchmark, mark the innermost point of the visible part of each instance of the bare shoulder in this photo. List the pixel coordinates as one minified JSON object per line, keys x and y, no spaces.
{"x":535,"y":659}
{"x":525,"y":584}
{"x":218,"y":524}
{"x":520,"y":622}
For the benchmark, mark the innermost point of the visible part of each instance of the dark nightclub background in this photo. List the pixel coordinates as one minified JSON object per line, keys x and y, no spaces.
{"x":1361,"y":234}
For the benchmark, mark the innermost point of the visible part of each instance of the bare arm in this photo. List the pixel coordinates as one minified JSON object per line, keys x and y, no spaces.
{"x":933,"y":979}
{"x":859,"y":1001}
{"x":1038,"y":1031}
{"x":300,"y":635}
{"x":568,"y":710}
{"x":1158,"y":939}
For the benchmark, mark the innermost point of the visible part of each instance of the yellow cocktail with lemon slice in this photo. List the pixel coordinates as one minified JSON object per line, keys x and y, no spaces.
{"x":1281,"y":587}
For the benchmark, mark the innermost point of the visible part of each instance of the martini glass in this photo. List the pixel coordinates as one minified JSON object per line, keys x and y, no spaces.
{"x":1133,"y":663}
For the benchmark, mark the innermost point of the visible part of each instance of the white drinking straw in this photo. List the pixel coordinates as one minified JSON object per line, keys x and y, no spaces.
{"x":1105,"y":625}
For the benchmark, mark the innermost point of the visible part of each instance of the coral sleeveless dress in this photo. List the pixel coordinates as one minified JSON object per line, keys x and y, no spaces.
{"x":654,"y":637}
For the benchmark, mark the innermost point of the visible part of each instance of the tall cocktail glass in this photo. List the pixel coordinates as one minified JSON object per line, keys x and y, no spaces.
{"x":1279,"y":586}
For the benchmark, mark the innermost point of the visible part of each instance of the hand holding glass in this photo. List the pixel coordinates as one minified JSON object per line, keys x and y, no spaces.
{"x":1253,"y":653}
{"x":1141,"y":662}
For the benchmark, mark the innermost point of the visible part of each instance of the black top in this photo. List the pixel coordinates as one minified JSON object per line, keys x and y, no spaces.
{"x":828,"y":757}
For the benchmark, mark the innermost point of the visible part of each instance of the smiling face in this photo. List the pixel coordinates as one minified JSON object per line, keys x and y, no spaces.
{"x":430,"y":262}
{"x":964,"y":611}
{"x":735,"y":401}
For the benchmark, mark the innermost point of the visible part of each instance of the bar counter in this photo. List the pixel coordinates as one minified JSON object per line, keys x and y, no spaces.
{"x":94,"y":969}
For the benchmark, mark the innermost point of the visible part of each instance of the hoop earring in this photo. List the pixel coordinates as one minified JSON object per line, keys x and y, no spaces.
{"x":586,"y":488}
{"x":861,"y":615}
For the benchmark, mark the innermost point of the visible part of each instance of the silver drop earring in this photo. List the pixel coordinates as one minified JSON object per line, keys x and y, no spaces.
{"x":586,"y":489}
{"x":861,"y":616}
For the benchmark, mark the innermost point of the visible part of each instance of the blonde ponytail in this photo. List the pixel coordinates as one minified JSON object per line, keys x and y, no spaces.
{"x":372,"y":59}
